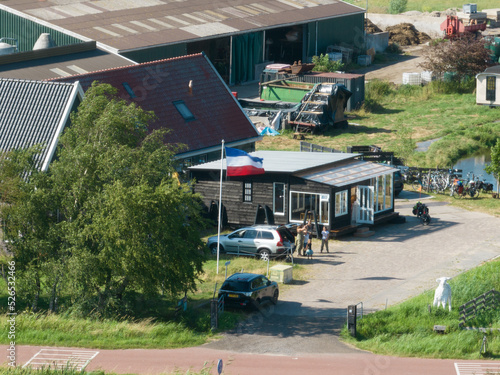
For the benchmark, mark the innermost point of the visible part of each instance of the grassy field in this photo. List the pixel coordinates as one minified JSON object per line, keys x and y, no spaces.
{"x":407,"y":329}
{"x":156,"y":328}
{"x":382,"y":6}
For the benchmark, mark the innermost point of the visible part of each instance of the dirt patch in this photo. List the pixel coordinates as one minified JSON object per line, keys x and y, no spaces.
{"x":405,"y":34}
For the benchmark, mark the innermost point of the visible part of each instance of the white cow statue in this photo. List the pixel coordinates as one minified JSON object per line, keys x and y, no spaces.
{"x":442,"y":296}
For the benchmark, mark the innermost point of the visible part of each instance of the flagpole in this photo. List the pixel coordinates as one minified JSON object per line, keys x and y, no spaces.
{"x":220,"y":204}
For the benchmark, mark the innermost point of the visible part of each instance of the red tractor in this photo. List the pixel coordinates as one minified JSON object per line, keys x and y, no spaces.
{"x":454,"y":27}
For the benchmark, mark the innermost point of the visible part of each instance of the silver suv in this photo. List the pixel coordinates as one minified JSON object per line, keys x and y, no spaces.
{"x":263,"y":241}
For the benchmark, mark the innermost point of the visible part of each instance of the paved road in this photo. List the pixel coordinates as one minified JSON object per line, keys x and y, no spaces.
{"x":398,"y":262}
{"x":300,"y":334}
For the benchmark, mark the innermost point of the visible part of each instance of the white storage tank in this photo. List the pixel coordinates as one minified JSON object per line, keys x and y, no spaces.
{"x":6,"y":49}
{"x":412,"y":79}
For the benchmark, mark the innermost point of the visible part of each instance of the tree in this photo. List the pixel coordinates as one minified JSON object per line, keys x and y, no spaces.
{"x":119,"y":219}
{"x":465,"y":56}
{"x":494,"y":167}
{"x":397,"y":6}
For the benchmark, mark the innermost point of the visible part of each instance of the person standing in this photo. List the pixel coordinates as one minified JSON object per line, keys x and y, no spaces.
{"x":325,"y":236}
{"x":299,"y":241}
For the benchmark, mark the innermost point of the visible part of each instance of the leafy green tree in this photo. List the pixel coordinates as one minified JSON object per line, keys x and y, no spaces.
{"x":494,"y":167}
{"x":397,"y":6}
{"x":110,"y":215}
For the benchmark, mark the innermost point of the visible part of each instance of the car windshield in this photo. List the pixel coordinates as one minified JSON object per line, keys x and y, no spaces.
{"x":236,"y":286}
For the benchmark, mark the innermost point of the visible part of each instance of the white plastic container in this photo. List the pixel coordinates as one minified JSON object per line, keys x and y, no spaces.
{"x":412,"y":79}
{"x":364,"y":60}
{"x":335,"y":56}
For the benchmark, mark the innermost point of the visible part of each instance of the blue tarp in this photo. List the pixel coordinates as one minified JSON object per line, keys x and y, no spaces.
{"x":268,"y":131}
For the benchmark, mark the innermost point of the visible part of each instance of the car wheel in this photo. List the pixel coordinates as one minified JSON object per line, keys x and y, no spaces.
{"x":264,"y":254}
{"x":213,"y":249}
{"x":275,"y":297}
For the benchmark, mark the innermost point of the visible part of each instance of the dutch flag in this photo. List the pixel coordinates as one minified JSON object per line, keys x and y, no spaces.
{"x":239,"y":163}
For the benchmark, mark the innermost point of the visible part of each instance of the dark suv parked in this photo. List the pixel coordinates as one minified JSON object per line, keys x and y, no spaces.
{"x":248,"y":290}
{"x":398,"y":183}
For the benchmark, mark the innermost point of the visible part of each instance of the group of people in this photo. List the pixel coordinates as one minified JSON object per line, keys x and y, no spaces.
{"x":303,"y":241}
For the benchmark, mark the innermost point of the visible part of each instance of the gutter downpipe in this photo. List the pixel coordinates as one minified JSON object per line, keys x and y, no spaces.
{"x":231,"y":60}
{"x":316,"y":37}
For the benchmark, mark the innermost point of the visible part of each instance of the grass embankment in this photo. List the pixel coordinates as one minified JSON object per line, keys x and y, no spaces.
{"x":407,"y":329}
{"x":396,"y":118}
{"x":155,"y":327}
{"x":382,"y":6}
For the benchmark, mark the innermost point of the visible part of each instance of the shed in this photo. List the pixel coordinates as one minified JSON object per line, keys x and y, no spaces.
{"x":488,"y":87}
{"x":336,"y":189}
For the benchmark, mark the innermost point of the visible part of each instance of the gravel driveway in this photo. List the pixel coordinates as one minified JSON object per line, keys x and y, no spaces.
{"x":398,"y":262}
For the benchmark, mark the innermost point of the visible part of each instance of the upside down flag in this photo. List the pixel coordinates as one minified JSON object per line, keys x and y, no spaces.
{"x":239,"y":163}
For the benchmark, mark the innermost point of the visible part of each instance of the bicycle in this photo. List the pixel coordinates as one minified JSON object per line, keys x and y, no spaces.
{"x":461,"y":190}
{"x":422,"y":212}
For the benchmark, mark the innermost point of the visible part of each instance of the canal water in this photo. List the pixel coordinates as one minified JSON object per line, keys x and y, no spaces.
{"x":475,"y":165}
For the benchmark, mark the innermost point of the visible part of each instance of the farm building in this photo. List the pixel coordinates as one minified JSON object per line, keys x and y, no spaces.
{"x":239,"y":39}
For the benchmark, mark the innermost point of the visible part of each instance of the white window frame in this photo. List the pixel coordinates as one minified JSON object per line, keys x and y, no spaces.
{"x":301,"y":205}
{"x":383,"y":181}
{"x":247,"y":191}
{"x":341,"y":206}
{"x":283,"y":199}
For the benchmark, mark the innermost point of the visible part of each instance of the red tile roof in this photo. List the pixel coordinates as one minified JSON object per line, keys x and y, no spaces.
{"x":157,"y":84}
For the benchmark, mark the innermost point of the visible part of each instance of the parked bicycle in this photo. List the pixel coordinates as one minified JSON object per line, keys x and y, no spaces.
{"x":462,"y":189}
{"x":422,"y":211}
{"x":483,"y":186}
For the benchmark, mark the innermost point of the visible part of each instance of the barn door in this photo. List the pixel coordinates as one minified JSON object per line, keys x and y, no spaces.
{"x":364,"y":204}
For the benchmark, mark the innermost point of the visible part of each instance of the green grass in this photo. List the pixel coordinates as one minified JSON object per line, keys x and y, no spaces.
{"x":407,"y":329}
{"x":153,"y":324}
{"x":484,"y":203}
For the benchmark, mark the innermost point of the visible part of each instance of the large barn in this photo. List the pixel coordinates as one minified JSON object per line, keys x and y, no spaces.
{"x":239,"y":38}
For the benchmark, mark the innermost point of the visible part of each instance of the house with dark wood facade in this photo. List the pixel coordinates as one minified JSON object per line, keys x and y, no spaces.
{"x":333,"y":189}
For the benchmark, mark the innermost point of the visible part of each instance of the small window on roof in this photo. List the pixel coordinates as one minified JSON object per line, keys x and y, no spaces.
{"x":183,"y":110}
{"x":129,"y":90}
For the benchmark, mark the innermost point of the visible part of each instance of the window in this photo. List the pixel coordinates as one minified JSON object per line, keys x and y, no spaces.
{"x":183,"y":110}
{"x":202,"y":159}
{"x":266,"y":235}
{"x":250,"y":234}
{"x":491,"y":88}
{"x":279,"y":198}
{"x":383,"y":192}
{"x":301,"y":202}
{"x":341,"y":203}
{"x":247,"y":192}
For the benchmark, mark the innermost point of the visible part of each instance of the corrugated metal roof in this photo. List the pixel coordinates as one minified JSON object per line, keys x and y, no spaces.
{"x":34,"y":112}
{"x":348,"y":174}
{"x":64,"y":65}
{"x":288,"y":161}
{"x":157,"y":85}
{"x":127,"y":25}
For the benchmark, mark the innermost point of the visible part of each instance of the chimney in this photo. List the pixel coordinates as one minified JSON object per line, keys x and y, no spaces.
{"x":190,"y":86}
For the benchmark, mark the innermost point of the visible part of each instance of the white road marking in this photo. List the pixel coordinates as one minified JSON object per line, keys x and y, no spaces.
{"x":61,"y":358}
{"x":477,"y":368}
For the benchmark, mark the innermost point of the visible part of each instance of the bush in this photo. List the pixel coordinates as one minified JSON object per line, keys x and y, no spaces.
{"x":397,"y":6}
{"x":322,"y":63}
